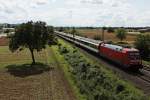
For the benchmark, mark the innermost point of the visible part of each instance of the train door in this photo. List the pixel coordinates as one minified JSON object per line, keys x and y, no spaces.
{"x":125,"y":60}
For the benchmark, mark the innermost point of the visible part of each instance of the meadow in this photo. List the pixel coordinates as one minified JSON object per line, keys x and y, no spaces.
{"x":108,"y":36}
{"x":21,"y":81}
{"x":19,"y":57}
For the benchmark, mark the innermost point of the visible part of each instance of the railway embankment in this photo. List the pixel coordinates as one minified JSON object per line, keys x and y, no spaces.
{"x":92,"y":81}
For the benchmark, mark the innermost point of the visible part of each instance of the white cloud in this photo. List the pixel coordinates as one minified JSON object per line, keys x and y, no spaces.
{"x":92,"y":1}
{"x":75,"y":12}
{"x":41,"y":2}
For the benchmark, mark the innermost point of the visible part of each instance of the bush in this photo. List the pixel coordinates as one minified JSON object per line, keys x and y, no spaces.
{"x":63,"y":50}
{"x":93,"y":81}
{"x":143,"y":44}
{"x":61,"y":29}
{"x":54,"y":42}
{"x":110,"y":30}
{"x":121,"y":33}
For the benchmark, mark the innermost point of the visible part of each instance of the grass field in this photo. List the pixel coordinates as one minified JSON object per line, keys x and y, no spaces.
{"x":90,"y":33}
{"x":108,"y":36}
{"x":21,"y":81}
{"x":3,"y":41}
{"x":18,"y":80}
{"x":7,"y":57}
{"x":146,"y":62}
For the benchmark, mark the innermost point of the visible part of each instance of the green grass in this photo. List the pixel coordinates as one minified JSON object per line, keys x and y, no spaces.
{"x":20,"y":57}
{"x":65,"y":66}
{"x":113,"y":77}
{"x":146,"y":62}
{"x":4,"y":49}
{"x":24,"y":57}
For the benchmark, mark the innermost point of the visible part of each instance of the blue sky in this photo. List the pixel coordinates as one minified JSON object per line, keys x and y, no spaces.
{"x":77,"y":12}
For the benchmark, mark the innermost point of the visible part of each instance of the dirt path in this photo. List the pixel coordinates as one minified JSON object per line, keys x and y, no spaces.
{"x":61,"y":82}
{"x":48,"y":85}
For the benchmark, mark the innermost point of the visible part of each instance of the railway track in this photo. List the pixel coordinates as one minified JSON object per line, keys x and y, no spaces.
{"x":145,"y":76}
{"x":147,"y":79}
{"x":146,"y":67}
{"x":140,"y":79}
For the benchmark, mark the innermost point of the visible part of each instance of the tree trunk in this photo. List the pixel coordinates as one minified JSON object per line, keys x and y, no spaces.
{"x":32,"y":54}
{"x":121,"y":40}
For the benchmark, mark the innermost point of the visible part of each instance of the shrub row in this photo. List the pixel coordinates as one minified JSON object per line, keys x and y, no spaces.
{"x":94,"y":82}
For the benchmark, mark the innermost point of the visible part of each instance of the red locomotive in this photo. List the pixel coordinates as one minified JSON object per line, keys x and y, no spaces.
{"x":127,"y":57}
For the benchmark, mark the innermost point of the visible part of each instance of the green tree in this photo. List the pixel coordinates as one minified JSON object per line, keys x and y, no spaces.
{"x":7,"y":31}
{"x":143,"y":44}
{"x":73,"y":32}
{"x":52,"y":38}
{"x":31,"y":35}
{"x":61,"y":29}
{"x":121,"y":33}
{"x":110,"y":30}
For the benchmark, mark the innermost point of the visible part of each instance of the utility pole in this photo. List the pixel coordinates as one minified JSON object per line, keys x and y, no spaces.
{"x":103,"y":33}
{"x":73,"y":33}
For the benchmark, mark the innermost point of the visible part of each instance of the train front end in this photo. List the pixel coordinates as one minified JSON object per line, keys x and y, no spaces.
{"x":134,"y":60}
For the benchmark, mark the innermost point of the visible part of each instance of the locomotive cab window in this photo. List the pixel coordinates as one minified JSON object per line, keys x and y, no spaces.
{"x":134,"y":55}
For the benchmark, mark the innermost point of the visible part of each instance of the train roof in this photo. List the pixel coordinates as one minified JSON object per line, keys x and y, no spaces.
{"x":3,"y":35}
{"x":91,"y":41}
{"x":130,"y":50}
{"x":114,"y":47}
{"x":87,"y":40}
{"x":119,"y":48}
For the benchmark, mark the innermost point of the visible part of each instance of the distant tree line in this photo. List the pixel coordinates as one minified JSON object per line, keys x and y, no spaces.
{"x":109,"y":28}
{"x":6,"y":25}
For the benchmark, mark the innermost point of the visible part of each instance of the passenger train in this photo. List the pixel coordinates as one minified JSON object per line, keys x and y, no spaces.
{"x":126,"y":57}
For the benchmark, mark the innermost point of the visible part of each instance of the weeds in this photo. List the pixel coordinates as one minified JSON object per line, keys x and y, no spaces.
{"x":94,"y":82}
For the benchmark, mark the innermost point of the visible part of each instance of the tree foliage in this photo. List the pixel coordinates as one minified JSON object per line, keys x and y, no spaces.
{"x":7,"y":31}
{"x":110,"y":30}
{"x":143,"y":44}
{"x":61,"y":29}
{"x":31,"y":35}
{"x":52,"y":38}
{"x":73,"y":31}
{"x":121,"y":33}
